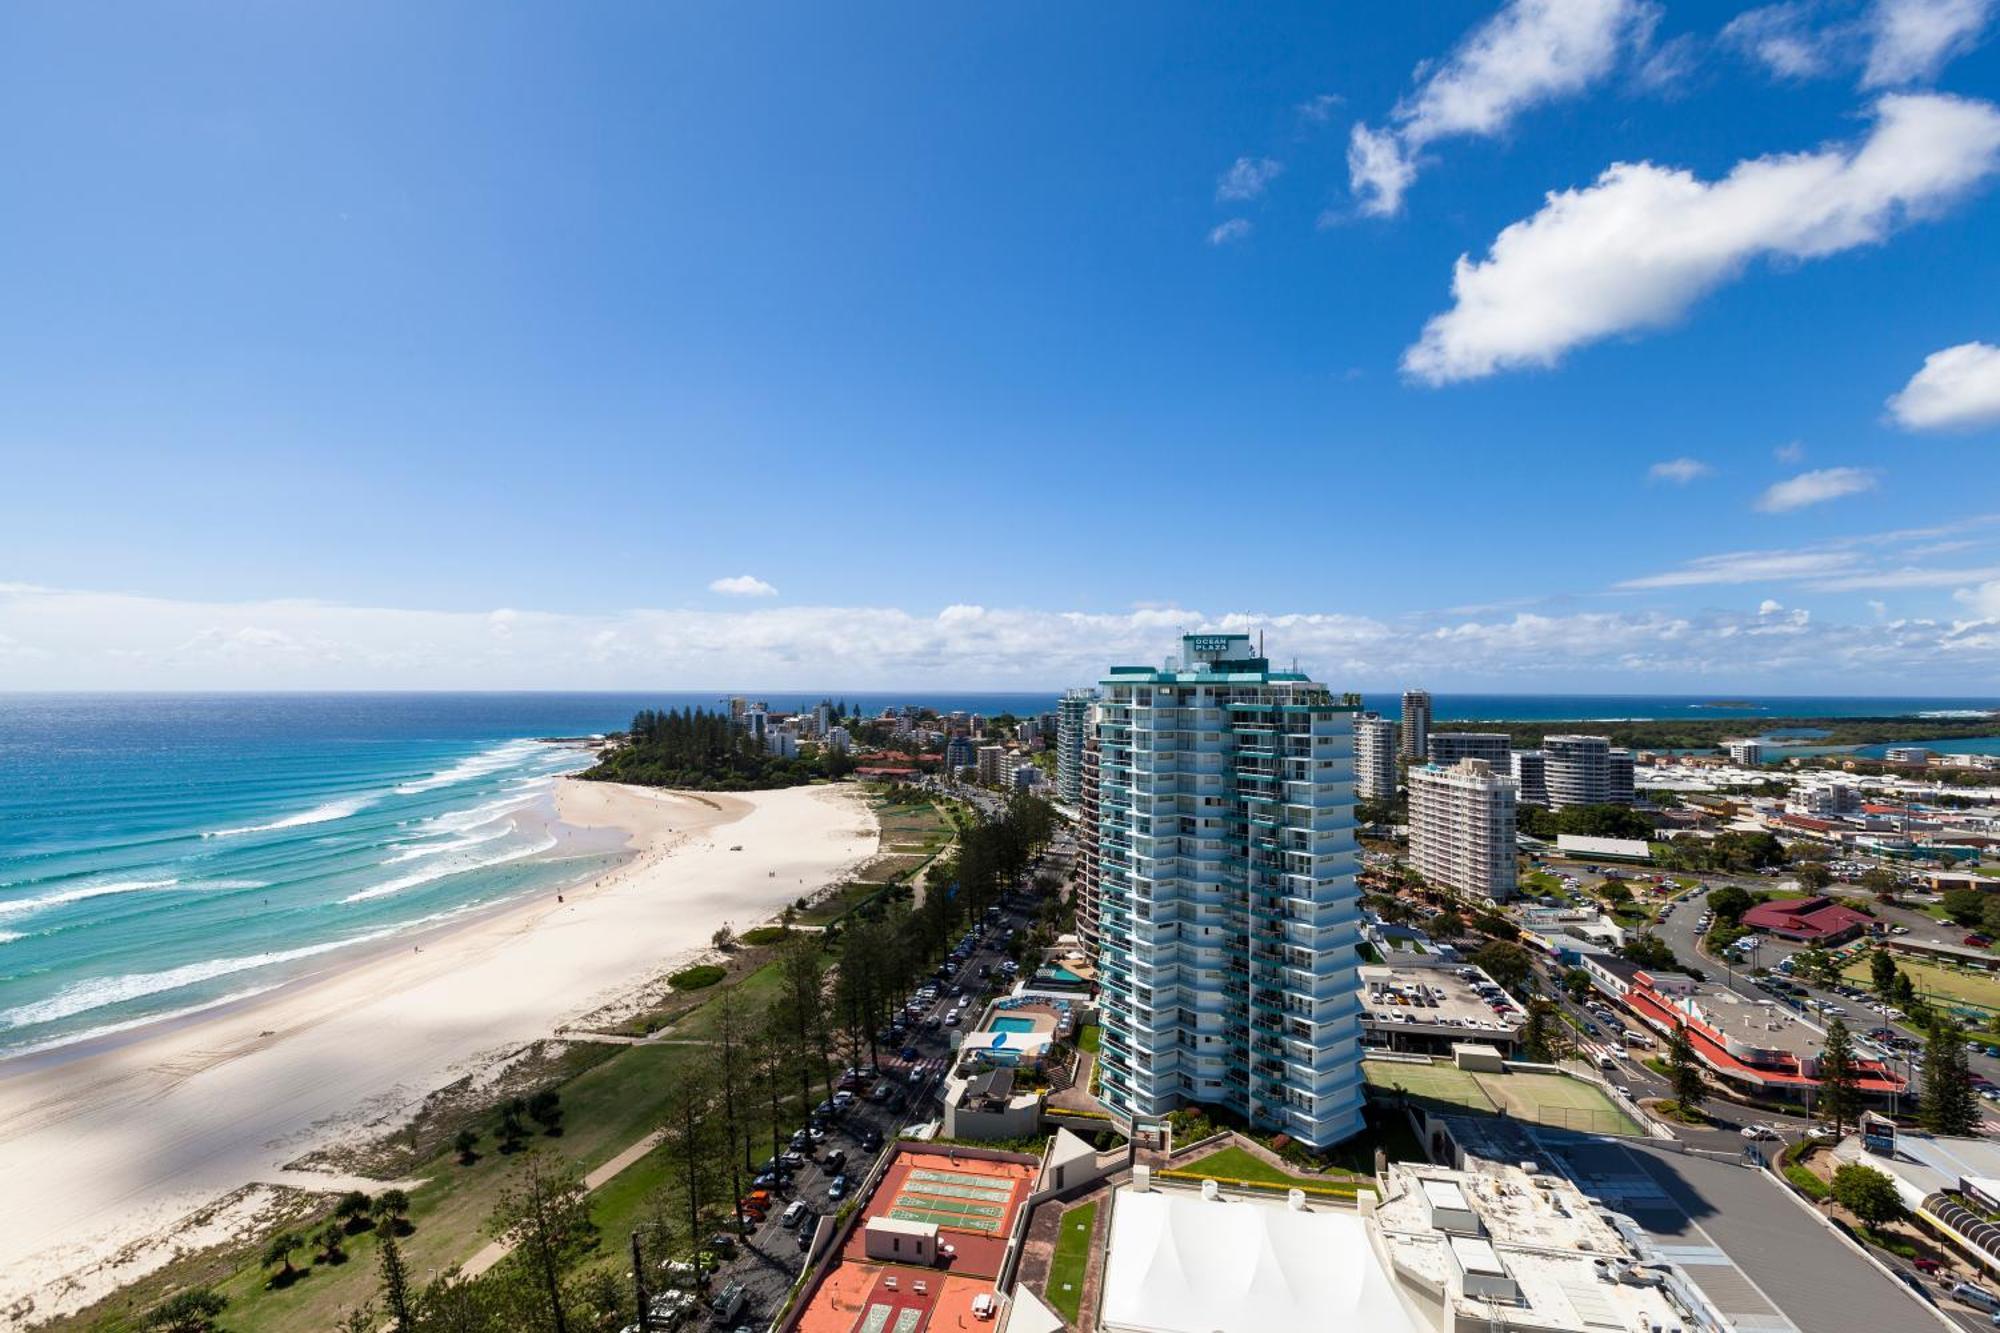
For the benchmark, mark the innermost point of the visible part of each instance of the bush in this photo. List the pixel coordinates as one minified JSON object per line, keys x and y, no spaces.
{"x":697,"y":977}
{"x":1807,"y":1183}
{"x":763,"y":935}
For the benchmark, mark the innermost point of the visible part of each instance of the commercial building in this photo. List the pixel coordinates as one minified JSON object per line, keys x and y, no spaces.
{"x":1375,"y":766}
{"x":1531,"y":776}
{"x":1228,"y":912}
{"x":1496,"y":748}
{"x":1818,"y":920}
{"x":1462,"y":828}
{"x":1072,"y":725}
{"x":1819,"y":800}
{"x":1416,"y":724}
{"x":1586,"y":770}
{"x":1747,"y":753}
{"x":1759,"y":1046}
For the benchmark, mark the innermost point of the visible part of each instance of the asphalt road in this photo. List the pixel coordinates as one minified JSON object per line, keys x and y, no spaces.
{"x":768,"y":1261}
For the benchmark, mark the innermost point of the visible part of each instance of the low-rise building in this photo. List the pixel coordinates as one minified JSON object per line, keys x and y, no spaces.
{"x":1915,"y":755}
{"x":1818,"y":920}
{"x":1429,"y":1010}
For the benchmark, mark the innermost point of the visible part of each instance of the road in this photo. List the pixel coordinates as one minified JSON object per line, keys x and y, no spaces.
{"x":769,"y":1260}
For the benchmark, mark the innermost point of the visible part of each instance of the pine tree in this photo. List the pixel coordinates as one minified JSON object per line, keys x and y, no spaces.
{"x":1839,"y":1100}
{"x":1882,"y":971}
{"x":1949,"y":1105}
{"x":396,"y":1285}
{"x":1684,"y":1071}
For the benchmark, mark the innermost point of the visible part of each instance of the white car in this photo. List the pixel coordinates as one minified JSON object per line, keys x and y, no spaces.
{"x":1761,"y":1133}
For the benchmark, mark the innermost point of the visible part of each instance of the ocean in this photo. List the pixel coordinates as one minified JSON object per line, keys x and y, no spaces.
{"x":161,"y":854}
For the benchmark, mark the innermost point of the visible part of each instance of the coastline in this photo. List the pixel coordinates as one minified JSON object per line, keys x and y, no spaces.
{"x":118,"y":1142}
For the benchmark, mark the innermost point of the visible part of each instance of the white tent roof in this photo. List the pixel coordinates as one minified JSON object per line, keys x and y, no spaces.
{"x":1178,"y":1263}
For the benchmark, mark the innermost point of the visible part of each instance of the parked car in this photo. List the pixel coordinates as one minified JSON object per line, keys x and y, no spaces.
{"x":795,"y":1214}
{"x":1761,"y":1133}
{"x":837,"y":1187}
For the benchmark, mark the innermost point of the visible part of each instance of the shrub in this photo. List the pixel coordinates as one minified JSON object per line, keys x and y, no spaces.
{"x":697,"y":977}
{"x":763,"y":935}
{"x":1807,"y":1183}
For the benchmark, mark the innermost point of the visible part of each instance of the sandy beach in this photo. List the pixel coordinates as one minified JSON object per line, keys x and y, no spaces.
{"x":101,"y":1151}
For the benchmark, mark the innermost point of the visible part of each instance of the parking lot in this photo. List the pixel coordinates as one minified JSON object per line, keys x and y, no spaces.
{"x":768,"y":1261}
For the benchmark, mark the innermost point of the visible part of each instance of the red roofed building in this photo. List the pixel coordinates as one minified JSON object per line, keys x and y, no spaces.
{"x":1760,"y":1046}
{"x":1819,"y":920}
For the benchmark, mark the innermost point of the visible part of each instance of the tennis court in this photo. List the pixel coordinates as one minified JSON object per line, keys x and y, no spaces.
{"x":1543,"y":1099}
{"x":953,"y":1199}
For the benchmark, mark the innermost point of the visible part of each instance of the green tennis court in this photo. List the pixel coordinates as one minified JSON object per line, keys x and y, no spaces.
{"x":959,"y":1221}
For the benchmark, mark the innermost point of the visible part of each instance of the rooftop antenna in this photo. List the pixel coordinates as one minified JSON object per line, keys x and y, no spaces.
{"x":1260,"y":641}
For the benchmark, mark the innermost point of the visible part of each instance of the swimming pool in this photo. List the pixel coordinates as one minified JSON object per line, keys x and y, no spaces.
{"x":1012,"y":1025}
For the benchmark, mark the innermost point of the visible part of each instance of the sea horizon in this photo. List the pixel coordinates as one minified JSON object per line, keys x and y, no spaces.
{"x":163,"y":853}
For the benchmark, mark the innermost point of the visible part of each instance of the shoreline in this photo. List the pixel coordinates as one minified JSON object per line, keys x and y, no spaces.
{"x":120,"y":1138}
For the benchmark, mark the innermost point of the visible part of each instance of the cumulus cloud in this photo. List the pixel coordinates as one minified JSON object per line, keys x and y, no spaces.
{"x":1680,"y":471}
{"x":743,"y":585}
{"x":1815,"y":487}
{"x":1529,"y":53}
{"x":1235,"y":229}
{"x":1982,"y":600}
{"x":1635,"y":249}
{"x":1957,"y":389}
{"x":1247,"y":178}
{"x":92,"y":640}
{"x":1910,"y":40}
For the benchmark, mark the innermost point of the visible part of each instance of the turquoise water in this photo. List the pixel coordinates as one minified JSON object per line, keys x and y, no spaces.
{"x":1012,"y":1025}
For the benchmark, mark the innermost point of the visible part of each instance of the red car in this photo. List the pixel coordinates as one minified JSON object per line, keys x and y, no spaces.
{"x":1926,"y":1265}
{"x":1976,"y":941}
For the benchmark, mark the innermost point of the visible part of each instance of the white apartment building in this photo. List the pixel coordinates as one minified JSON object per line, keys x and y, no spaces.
{"x":1462,"y":828}
{"x":1823,"y":798}
{"x":992,"y":768}
{"x":1375,"y":768}
{"x":1416,"y":723}
{"x":1906,"y":754}
{"x":1586,"y":770}
{"x":837,"y":738}
{"x":1227,"y":909}
{"x":1072,"y":725}
{"x":1748,"y":753}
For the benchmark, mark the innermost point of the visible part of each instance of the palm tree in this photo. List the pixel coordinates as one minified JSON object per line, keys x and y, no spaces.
{"x":467,"y":1144}
{"x":353,"y":1209}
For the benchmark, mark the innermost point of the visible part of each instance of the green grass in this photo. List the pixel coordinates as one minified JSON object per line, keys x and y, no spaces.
{"x":1072,"y":1254}
{"x":1941,"y":984}
{"x":762,"y":935}
{"x":1547,"y":1099}
{"x":1089,"y":1038}
{"x":698,"y":977}
{"x":1808,"y":1184}
{"x":1234,"y":1163}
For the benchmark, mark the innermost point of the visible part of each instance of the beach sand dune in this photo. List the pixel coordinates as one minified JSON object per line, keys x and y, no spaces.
{"x":110,"y":1147}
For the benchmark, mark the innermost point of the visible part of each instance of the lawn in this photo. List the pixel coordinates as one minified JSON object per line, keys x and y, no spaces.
{"x":1072,"y":1254}
{"x":1544,"y":1099}
{"x":1233,"y":1163}
{"x":1979,"y":990}
{"x":1088,"y":1039}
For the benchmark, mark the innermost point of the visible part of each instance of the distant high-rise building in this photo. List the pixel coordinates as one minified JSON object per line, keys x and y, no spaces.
{"x":1748,"y":753}
{"x":1416,"y":724}
{"x":754,"y":721}
{"x":837,"y":738}
{"x":1072,"y":721}
{"x":1531,"y":776}
{"x":1228,"y":914}
{"x":958,"y":753}
{"x":822,"y":718}
{"x":1375,"y":766}
{"x":1462,"y":828}
{"x":1586,"y":770}
{"x":993,"y":770}
{"x":1496,"y":748}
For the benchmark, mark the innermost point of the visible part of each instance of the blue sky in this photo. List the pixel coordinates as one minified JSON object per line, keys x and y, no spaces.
{"x":470,"y":345}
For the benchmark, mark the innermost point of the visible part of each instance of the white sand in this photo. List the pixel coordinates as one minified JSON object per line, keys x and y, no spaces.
{"x":103,"y":1151}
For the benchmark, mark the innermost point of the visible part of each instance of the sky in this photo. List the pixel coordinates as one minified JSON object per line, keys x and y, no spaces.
{"x":1608,"y":345}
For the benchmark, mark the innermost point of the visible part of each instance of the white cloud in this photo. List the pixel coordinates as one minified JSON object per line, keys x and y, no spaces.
{"x":1748,"y":567}
{"x":1793,"y":452}
{"x":1815,"y":487}
{"x":1879,"y":608}
{"x":1680,"y":471}
{"x":1768,"y":607}
{"x":1896,"y":42}
{"x":1529,"y":53}
{"x":81,"y":640}
{"x":1983,"y":600}
{"x":743,"y":585}
{"x":1635,"y":249}
{"x":1784,"y":39}
{"x":1247,"y":178}
{"x":1907,"y":576}
{"x":1910,"y":40}
{"x":1319,"y":108}
{"x":1235,"y":229}
{"x":1957,"y":389}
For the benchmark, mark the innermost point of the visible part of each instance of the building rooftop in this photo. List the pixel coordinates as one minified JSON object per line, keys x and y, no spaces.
{"x":1178,"y":1262}
{"x":1437,"y":1000}
{"x":1544,"y":1256}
